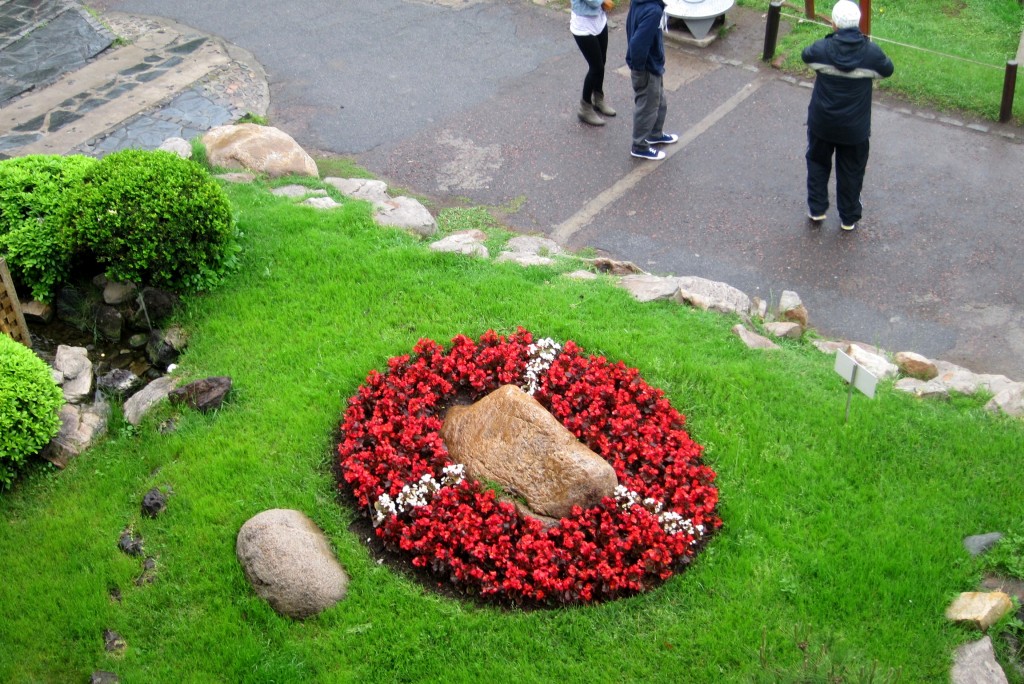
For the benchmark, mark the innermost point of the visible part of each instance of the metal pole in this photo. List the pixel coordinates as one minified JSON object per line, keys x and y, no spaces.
{"x":865,"y":17}
{"x":1009,"y":86}
{"x":771,"y":30}
{"x":849,"y":395}
{"x":809,"y":9}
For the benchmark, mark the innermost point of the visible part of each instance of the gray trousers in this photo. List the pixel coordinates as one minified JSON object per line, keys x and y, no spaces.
{"x":649,"y":106}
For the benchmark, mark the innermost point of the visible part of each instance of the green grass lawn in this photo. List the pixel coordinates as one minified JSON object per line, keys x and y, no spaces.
{"x":960,"y":48}
{"x":841,"y":545}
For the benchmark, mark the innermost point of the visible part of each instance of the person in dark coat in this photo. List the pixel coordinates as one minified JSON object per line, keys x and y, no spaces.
{"x":645,"y":56}
{"x":839,"y":115}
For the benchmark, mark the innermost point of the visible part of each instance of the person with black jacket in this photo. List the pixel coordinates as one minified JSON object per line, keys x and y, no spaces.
{"x":645,"y":56}
{"x":839,"y":115}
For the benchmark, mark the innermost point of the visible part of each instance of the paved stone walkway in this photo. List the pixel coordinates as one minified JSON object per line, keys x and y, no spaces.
{"x":70,"y":83}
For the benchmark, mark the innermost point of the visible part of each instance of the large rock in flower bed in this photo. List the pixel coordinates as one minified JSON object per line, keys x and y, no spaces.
{"x":263,"y":149}
{"x":289,"y":563}
{"x":509,"y":438}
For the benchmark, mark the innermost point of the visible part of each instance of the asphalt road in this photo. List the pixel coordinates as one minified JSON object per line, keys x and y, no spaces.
{"x":476,"y":99}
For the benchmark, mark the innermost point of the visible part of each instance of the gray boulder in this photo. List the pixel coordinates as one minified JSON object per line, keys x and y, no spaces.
{"x":711,"y":295}
{"x":374,"y":191}
{"x":119,"y":382}
{"x":975,"y":663}
{"x":80,"y":427}
{"x":109,"y":322}
{"x":980,"y":543}
{"x":145,"y":399}
{"x":75,"y":369}
{"x":468,"y":242}
{"x":263,"y":149}
{"x":178,"y":146}
{"x":752,"y":339}
{"x":289,"y":563}
{"x":407,"y":214}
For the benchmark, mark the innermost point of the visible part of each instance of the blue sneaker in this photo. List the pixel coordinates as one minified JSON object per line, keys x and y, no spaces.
{"x":647,"y":152}
{"x":663,"y":139}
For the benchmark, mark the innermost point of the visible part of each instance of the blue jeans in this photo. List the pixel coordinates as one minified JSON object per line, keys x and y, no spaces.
{"x":649,"y":106}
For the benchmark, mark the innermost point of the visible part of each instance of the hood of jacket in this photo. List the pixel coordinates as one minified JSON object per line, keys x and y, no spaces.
{"x":846,"y":48}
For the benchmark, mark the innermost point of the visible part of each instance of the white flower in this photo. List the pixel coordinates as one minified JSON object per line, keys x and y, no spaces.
{"x":671,"y":522}
{"x":417,"y":494}
{"x":542,"y":354}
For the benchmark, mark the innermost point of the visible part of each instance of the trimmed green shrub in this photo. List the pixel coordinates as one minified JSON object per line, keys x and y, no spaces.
{"x":157,"y":219}
{"x":35,"y":240}
{"x":29,"y":404}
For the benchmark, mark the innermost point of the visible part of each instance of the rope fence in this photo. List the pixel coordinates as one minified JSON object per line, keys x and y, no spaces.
{"x":809,"y":16}
{"x":878,"y":39}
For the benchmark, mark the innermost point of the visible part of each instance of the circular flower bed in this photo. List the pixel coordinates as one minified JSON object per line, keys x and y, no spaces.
{"x":394,"y":463}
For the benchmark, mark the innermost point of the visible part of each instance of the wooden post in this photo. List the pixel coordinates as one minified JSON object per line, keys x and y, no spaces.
{"x":771,"y":30}
{"x":12,"y":322}
{"x":1009,"y":88}
{"x":809,"y":9}
{"x":865,"y":17}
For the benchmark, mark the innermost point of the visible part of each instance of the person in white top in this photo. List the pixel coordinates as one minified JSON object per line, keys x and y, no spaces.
{"x":588,"y":23}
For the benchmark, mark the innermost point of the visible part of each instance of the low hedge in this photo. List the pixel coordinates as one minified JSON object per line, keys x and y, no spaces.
{"x":38,"y":244}
{"x":29,"y":404}
{"x":154,"y":218}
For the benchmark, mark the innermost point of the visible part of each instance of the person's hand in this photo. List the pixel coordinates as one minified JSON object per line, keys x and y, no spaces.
{"x":607,"y":5}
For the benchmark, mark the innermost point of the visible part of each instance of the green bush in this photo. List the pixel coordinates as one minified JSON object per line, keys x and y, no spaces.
{"x":34,"y":239}
{"x":29,"y":404}
{"x":154,"y":218}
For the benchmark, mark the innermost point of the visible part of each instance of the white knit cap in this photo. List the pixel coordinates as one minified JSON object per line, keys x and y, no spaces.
{"x":845,"y":14}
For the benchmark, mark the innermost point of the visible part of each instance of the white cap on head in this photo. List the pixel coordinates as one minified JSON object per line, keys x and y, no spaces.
{"x":845,"y":14}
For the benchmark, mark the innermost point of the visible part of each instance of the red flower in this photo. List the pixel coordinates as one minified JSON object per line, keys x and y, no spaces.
{"x":390,"y":440}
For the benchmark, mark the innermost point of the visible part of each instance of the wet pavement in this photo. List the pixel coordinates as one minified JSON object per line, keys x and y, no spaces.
{"x":66,"y":86}
{"x":476,"y":100}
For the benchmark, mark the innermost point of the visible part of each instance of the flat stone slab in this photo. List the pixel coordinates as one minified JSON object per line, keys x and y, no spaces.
{"x":752,"y":339}
{"x":320,"y":203}
{"x":649,"y":288}
{"x":298,"y":191}
{"x":978,"y":544}
{"x":375,"y":191}
{"x":145,"y":399}
{"x":979,"y":608}
{"x":468,"y":242}
{"x":711,"y":295}
{"x":975,"y":663}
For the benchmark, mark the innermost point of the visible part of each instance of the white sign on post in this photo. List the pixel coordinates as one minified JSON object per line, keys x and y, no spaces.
{"x":857,"y":375}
